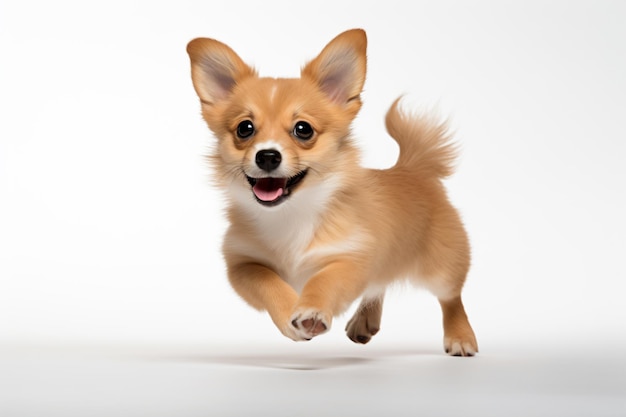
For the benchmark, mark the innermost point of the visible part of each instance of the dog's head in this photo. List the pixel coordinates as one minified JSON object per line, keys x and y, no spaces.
{"x":280,"y":137}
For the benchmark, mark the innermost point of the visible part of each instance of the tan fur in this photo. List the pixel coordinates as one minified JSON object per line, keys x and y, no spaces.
{"x":344,"y":232}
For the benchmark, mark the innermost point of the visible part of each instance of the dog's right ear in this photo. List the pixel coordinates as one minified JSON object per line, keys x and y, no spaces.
{"x":215,"y":69}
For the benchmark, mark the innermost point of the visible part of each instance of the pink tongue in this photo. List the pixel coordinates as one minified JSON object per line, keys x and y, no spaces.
{"x":268,"y":189}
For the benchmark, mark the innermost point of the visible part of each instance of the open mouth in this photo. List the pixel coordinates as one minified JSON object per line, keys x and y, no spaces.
{"x":271,"y":191}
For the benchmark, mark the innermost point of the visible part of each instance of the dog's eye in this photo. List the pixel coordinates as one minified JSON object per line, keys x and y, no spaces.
{"x":245,"y":129}
{"x":303,"y":130}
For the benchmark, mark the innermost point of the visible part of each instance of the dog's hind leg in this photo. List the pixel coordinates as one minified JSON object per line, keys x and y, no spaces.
{"x":459,"y":339}
{"x":366,"y":320}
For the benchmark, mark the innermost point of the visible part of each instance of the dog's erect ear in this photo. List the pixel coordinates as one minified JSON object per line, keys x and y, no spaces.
{"x":215,"y":69}
{"x":339,"y":69}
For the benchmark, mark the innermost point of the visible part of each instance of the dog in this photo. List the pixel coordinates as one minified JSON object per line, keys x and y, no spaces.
{"x":311,"y":231}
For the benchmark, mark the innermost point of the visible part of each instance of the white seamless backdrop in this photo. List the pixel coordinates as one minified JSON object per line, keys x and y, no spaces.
{"x":109,"y":228}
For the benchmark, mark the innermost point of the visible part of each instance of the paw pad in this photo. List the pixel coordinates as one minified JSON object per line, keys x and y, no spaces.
{"x":309,"y":324}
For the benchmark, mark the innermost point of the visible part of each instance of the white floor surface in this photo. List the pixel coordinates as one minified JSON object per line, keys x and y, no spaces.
{"x":308,"y":380}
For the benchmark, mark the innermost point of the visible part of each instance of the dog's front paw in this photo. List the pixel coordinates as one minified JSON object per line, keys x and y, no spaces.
{"x":308,"y":323}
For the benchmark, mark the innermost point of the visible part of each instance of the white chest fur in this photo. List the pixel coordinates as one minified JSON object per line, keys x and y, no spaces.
{"x":290,"y":250}
{"x":281,"y":237}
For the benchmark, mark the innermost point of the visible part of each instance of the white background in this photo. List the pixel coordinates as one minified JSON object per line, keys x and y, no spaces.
{"x":110,"y":231}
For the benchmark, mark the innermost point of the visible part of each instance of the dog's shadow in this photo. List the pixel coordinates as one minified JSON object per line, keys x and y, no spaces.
{"x":295,"y":361}
{"x":288,"y":362}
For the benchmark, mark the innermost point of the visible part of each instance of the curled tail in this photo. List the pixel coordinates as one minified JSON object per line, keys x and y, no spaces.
{"x":424,"y":143}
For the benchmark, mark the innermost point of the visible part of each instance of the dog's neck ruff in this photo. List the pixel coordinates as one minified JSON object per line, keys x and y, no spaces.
{"x":290,"y":226}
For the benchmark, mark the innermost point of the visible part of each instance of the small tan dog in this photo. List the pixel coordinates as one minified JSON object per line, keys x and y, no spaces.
{"x":310,"y":229}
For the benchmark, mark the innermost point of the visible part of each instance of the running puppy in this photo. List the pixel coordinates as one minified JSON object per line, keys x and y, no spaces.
{"x":310,"y":229}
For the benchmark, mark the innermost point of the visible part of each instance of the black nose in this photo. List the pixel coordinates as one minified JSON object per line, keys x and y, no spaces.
{"x":268,"y":159}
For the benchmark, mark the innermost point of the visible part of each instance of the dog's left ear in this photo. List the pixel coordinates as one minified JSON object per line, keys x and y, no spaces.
{"x":339,"y":69}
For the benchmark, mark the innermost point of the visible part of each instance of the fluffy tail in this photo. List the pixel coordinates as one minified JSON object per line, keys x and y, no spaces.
{"x":424,"y":143}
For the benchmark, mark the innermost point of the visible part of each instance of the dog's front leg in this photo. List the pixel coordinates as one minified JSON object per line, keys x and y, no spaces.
{"x":325,"y":295}
{"x":263,"y":289}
